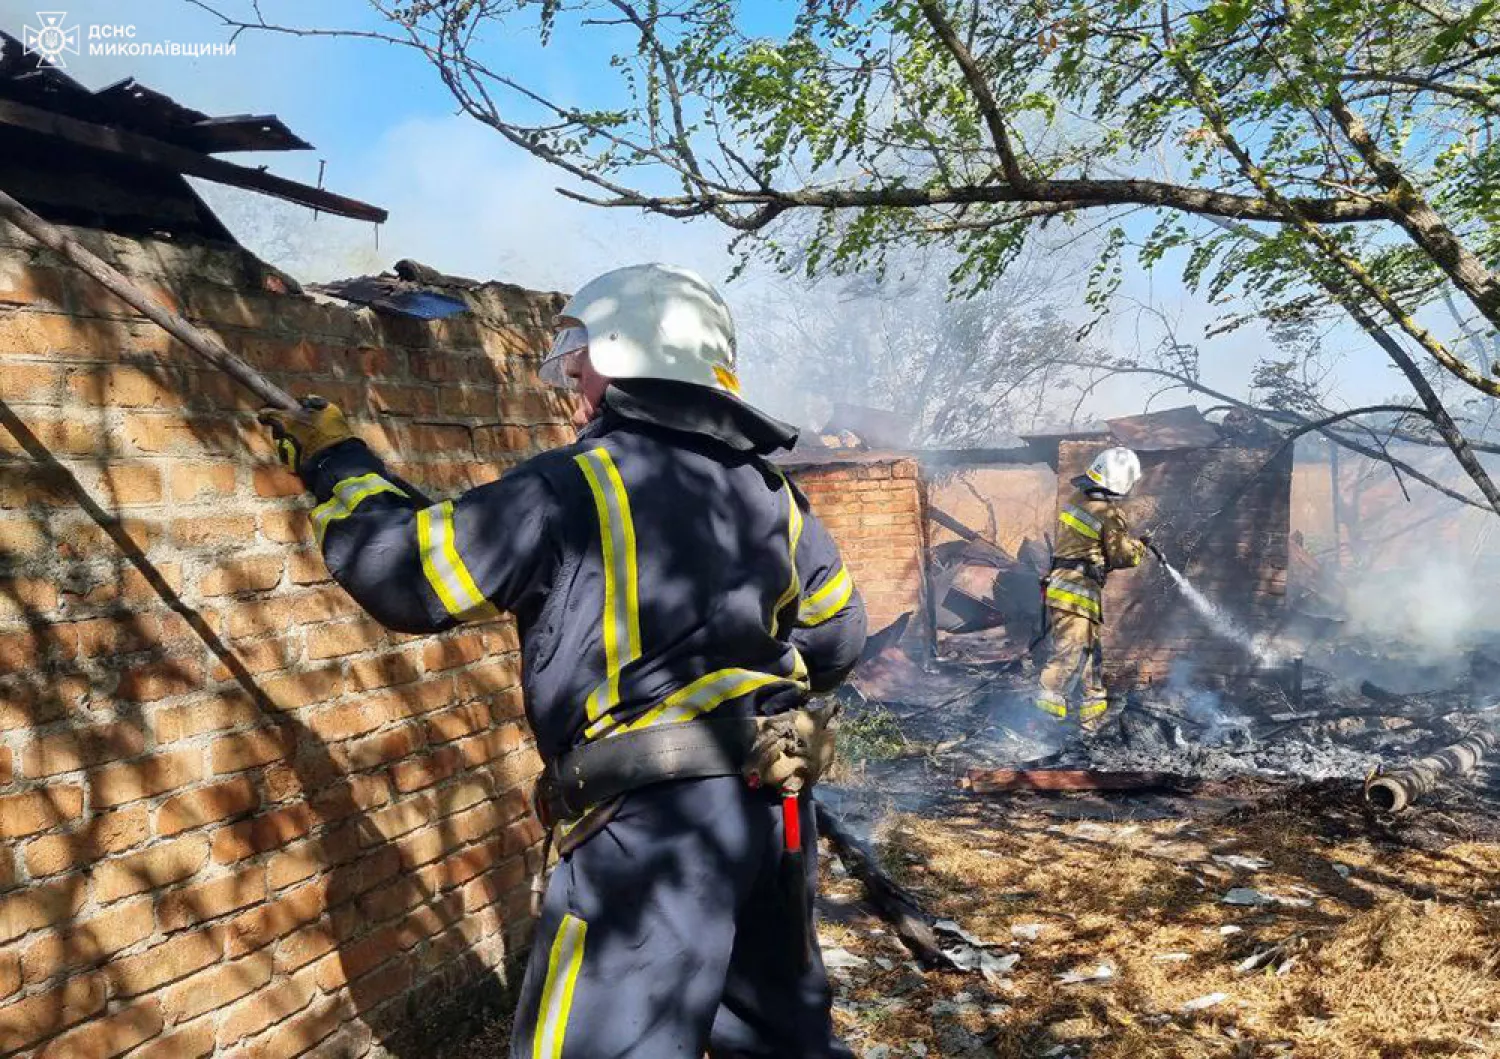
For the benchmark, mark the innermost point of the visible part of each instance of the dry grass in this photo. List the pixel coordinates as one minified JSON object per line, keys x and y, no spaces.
{"x":1399,"y":959}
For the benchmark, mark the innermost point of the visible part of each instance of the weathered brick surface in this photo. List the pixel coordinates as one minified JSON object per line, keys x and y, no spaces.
{"x":872,"y":508}
{"x":220,"y":783}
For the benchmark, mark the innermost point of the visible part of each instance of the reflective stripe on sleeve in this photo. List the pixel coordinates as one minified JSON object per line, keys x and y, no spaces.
{"x":347,"y":496}
{"x":621,"y":620}
{"x":793,"y":535}
{"x":445,"y":570}
{"x":1078,"y":519}
{"x":826,"y":601}
{"x":1076,"y":593}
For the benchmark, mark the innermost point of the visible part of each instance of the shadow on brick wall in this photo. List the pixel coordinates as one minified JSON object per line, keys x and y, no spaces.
{"x":200,"y":854}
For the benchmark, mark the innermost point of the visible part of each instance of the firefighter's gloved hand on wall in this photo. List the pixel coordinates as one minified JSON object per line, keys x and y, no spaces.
{"x":793,"y":750}
{"x":299,"y":436}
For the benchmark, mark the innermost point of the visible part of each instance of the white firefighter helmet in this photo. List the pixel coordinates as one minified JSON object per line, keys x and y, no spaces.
{"x":1115,"y":470}
{"x":648,"y":322}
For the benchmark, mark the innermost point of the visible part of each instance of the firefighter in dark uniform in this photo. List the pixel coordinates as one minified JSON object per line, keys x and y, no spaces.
{"x":677,"y":604}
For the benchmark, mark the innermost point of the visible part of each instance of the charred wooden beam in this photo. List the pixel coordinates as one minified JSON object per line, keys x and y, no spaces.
{"x":179,"y":159}
{"x":999,"y":781}
{"x":1392,"y":792}
{"x":891,"y":900}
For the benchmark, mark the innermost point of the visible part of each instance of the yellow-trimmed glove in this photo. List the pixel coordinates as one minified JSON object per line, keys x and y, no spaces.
{"x":301,"y":435}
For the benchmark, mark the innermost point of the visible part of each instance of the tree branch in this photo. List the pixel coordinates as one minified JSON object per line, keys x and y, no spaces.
{"x":989,"y":109}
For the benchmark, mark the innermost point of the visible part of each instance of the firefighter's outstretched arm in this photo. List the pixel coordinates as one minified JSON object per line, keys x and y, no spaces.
{"x":417,"y":567}
{"x":1121,"y":549}
{"x":831,"y":624}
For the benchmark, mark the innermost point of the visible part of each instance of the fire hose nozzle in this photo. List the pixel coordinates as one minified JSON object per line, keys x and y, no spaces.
{"x":1155,"y":550}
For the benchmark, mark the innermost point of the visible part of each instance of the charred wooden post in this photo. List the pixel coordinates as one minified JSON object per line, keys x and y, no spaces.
{"x":1393,"y":792}
{"x":895,"y":905}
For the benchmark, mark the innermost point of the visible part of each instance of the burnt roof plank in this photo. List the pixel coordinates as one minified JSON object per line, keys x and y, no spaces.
{"x":191,"y":163}
{"x":242,"y":132}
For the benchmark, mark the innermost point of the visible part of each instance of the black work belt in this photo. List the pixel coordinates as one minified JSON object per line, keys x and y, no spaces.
{"x":1093,"y":571}
{"x":597,"y":772}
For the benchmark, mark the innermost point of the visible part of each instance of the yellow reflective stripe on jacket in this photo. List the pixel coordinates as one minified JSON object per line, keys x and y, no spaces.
{"x":445,"y":570}
{"x":1078,"y":519}
{"x":1093,"y":708}
{"x":347,"y":496}
{"x":702,"y":696}
{"x":1053,"y":704}
{"x":1076,"y":593}
{"x":826,"y":601}
{"x":563,"y":964}
{"x":621,"y":618}
{"x":793,"y":535}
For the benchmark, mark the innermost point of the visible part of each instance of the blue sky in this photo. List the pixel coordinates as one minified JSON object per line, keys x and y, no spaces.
{"x":461,"y":198}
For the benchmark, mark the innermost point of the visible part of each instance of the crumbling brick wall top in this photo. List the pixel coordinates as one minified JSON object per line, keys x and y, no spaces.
{"x":238,"y":815}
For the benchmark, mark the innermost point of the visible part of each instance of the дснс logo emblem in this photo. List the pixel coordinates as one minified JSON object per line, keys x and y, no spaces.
{"x":52,"y":39}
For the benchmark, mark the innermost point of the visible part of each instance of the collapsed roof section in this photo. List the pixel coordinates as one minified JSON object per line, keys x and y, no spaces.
{"x":116,"y":159}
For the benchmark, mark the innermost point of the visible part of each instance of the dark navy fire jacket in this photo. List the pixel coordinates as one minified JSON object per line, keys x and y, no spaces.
{"x":656,"y":574}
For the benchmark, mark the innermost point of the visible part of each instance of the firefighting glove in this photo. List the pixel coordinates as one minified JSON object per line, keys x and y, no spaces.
{"x":301,"y":435}
{"x":793,"y":749}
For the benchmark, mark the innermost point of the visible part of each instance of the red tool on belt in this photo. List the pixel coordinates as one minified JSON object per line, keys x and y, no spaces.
{"x":794,"y":878}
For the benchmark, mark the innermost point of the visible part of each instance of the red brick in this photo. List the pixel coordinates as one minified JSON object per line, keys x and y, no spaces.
{"x":206,"y":805}
{"x":10,"y":974}
{"x":192,"y":481}
{"x":448,"y":725}
{"x":119,"y":784}
{"x":110,"y":1036}
{"x":307,"y":568}
{"x":454,"y":650}
{"x":259,"y":746}
{"x":308,"y":1029}
{"x":32,"y":383}
{"x":306,"y":859}
{"x":484,"y":680}
{"x":102,"y":835}
{"x":266,"y":832}
{"x":160,"y":680}
{"x":167,"y":962}
{"x":214,"y":988}
{"x":263,"y":656}
{"x":304,"y":687}
{"x":343,"y":638}
{"x":39,"y":810}
{"x":287,"y":527}
{"x":39,"y":905}
{"x":211,"y":531}
{"x":305,"y":945}
{"x":265,"y":1008}
{"x":426,"y":770}
{"x":125,"y":482}
{"x":75,"y":946}
{"x":356,"y":794}
{"x":383,"y":670}
{"x":105,"y":636}
{"x":199,"y":904}
{"x":186,"y":1042}
{"x":153,"y":868}
{"x":229,"y":709}
{"x":7,"y":771}
{"x":250,"y":574}
{"x":379,"y":749}
{"x":37,"y":1017}
{"x":492,"y":744}
{"x":277,"y":481}
{"x":80,"y":748}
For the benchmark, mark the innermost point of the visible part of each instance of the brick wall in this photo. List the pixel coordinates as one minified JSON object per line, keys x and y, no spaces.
{"x":238,"y":817}
{"x":873,"y":508}
{"x":1222,"y":516}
